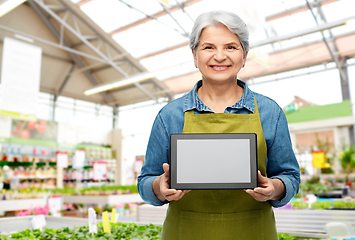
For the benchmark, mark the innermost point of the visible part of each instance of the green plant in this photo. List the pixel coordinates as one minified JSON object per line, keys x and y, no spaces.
{"x":347,"y":159}
{"x":326,"y":147}
{"x":313,"y":187}
{"x":322,"y":205}
{"x":284,"y":236}
{"x":118,"y":231}
{"x":299,"y":205}
{"x":344,"y":204}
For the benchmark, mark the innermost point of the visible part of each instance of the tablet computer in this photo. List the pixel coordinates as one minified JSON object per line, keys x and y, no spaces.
{"x":213,"y":161}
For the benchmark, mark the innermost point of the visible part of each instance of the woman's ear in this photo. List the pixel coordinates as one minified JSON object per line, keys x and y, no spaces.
{"x":195,"y":57}
{"x":245,"y":58}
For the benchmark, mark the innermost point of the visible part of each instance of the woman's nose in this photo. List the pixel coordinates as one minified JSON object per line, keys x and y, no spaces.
{"x":219,"y":55}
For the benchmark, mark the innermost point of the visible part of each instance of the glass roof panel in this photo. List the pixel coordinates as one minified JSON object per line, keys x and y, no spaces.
{"x":116,"y":14}
{"x":339,"y":10}
{"x":148,"y":38}
{"x":148,"y":7}
{"x":174,"y":62}
{"x":159,"y":37}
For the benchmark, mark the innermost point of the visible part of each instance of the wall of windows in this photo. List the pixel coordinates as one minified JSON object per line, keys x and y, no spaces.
{"x":73,"y":111}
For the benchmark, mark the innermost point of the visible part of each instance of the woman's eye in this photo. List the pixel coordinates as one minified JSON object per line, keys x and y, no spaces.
{"x":207,"y":47}
{"x":231,"y":47}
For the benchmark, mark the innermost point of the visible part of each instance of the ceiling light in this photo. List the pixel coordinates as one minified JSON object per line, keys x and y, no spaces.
{"x":120,"y":83}
{"x":351,"y":22}
{"x":7,"y":5}
{"x":164,"y":2}
{"x":131,"y":79}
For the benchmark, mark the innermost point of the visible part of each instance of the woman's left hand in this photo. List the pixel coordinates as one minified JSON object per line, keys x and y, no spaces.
{"x":268,"y":189}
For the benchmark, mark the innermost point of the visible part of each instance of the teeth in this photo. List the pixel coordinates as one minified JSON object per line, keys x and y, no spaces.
{"x":219,"y":67}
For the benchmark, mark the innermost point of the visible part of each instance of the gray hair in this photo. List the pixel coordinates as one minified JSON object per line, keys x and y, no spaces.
{"x":232,"y":21}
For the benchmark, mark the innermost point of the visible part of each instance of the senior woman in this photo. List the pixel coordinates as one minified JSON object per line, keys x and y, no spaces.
{"x":220,"y":103}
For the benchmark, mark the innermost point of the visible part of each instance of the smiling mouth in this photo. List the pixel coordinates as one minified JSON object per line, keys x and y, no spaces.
{"x":219,"y":67}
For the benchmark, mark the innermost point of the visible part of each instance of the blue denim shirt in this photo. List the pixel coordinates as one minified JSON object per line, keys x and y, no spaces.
{"x":281,"y":162}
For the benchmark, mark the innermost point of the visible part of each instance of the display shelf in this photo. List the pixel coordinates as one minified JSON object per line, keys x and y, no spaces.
{"x":36,"y":177}
{"x":22,"y":204}
{"x":112,"y":199}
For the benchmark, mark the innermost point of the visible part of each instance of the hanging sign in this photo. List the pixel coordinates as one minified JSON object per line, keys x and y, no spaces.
{"x":20,"y":79}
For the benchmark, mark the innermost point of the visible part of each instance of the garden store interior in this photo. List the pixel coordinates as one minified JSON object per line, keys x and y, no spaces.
{"x":81,"y":82}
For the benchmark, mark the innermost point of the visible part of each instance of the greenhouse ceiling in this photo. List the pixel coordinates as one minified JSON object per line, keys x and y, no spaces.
{"x":137,"y":50}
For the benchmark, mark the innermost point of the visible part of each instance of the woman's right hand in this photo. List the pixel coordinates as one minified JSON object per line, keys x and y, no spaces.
{"x":164,"y":192}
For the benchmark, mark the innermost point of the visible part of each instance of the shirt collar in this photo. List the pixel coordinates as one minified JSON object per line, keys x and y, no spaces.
{"x":194,"y":102}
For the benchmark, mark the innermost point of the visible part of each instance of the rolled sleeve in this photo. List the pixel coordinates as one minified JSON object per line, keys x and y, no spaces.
{"x":146,"y":191}
{"x":289,"y":193}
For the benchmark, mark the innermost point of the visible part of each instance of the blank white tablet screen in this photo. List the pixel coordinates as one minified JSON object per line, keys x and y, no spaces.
{"x":213,"y":161}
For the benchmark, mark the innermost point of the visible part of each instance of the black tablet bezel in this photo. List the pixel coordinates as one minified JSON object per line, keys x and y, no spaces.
{"x":211,"y":186}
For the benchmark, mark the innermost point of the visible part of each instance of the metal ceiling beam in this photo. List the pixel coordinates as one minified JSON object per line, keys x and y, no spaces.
{"x":152,"y":17}
{"x":313,"y":42}
{"x":48,"y":55}
{"x":334,"y":57}
{"x":66,"y":48}
{"x":295,"y":10}
{"x":343,"y":70}
{"x":78,"y":35}
{"x":76,"y":59}
{"x":82,"y":2}
{"x":181,"y":6}
{"x":185,"y":34}
{"x":155,"y":16}
{"x":270,"y":40}
{"x":251,"y":80}
{"x":109,"y":41}
{"x":303,"y":32}
{"x":59,"y":92}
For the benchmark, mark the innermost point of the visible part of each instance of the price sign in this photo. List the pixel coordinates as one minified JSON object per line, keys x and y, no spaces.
{"x":55,"y":205}
{"x":318,"y":158}
{"x":79,"y":159}
{"x":62,"y":159}
{"x":100,"y":170}
{"x":138,"y":165}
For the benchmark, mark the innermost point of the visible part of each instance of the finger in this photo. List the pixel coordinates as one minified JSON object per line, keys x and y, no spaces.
{"x":166,"y":168}
{"x":168,"y":192}
{"x":264,"y":191}
{"x":257,"y":196}
{"x":179,"y":194}
{"x":261,"y":178}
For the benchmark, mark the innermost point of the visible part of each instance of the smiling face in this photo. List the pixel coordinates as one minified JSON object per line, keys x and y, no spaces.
{"x":219,"y":55}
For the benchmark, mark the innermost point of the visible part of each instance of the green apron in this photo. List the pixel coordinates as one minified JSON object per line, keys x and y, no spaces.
{"x":222,"y":214}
